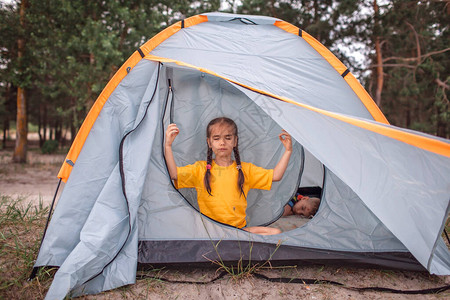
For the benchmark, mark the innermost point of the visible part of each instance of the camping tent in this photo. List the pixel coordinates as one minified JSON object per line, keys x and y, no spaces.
{"x":385,"y":190}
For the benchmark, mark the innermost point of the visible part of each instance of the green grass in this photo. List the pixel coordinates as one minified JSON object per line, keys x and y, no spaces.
{"x":244,"y":268}
{"x":21,"y":228}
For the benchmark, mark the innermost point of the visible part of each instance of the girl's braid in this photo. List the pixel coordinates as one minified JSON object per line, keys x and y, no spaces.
{"x":207,"y":178}
{"x":241,"y":177}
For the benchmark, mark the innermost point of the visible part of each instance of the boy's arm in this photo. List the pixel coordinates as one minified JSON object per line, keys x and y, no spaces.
{"x":171,"y":133}
{"x":287,"y":210}
{"x":281,"y":166}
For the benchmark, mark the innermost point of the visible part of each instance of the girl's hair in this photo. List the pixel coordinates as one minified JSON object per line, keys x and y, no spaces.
{"x":207,"y":178}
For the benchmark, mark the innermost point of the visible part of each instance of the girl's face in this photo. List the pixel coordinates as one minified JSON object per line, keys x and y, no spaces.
{"x":222,"y":140}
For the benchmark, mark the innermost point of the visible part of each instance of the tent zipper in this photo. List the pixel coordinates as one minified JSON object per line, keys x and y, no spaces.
{"x":171,"y":95}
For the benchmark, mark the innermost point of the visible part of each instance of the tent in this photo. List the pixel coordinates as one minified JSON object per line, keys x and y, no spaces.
{"x":385,"y":191}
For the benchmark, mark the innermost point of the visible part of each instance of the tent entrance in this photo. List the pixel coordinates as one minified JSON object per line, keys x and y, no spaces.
{"x":196,"y":98}
{"x":167,"y":219}
{"x":191,"y":100}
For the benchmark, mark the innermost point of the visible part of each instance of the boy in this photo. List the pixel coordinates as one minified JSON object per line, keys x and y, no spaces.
{"x":304,"y":206}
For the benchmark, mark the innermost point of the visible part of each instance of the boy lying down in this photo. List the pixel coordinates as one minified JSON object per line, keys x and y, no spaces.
{"x":303,"y":206}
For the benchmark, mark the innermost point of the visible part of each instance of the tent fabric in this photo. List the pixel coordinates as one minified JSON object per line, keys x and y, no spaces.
{"x":258,"y":66}
{"x":338,"y":66}
{"x":97,"y":234}
{"x":221,"y":19}
{"x":423,"y":141}
{"x":200,"y":252}
{"x":385,"y":193}
{"x":407,"y":190}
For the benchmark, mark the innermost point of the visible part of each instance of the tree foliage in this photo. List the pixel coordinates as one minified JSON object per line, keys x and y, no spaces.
{"x":8,"y":51}
{"x":415,"y":51}
{"x":74,"y":47}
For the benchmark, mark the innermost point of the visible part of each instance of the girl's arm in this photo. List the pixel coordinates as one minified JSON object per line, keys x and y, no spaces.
{"x":171,"y":132}
{"x":280,"y":168}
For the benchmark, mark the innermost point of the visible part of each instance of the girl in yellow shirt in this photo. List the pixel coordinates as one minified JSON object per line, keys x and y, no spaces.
{"x":218,"y":195}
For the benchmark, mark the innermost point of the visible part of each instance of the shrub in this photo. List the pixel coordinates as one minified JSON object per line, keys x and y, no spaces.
{"x":49,"y":147}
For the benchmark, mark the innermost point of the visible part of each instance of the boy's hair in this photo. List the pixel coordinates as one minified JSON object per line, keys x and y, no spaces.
{"x":207,"y":178}
{"x":315,"y":205}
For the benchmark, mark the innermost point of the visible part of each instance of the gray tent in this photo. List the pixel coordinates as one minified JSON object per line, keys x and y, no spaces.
{"x":385,"y":190}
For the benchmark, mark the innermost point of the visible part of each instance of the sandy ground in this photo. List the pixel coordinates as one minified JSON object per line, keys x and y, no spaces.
{"x":37,"y":180}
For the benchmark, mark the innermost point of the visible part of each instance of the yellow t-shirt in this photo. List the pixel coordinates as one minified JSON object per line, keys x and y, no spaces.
{"x":227,"y":204}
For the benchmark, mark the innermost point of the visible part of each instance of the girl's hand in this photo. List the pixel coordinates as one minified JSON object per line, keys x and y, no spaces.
{"x":171,"y":133}
{"x":285,"y":138}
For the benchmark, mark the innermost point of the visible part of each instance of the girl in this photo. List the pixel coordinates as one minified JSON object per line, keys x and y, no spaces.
{"x":222,"y":184}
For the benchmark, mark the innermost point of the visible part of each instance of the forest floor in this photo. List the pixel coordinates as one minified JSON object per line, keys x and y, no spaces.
{"x":26,"y":190}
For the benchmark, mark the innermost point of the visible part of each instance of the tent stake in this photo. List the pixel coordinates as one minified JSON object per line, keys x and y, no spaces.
{"x":35,"y":269}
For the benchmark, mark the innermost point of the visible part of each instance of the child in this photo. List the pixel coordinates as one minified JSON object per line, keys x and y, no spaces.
{"x":303,"y":206}
{"x":223,"y":184}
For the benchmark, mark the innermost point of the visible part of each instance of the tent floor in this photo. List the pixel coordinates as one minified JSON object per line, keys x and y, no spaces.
{"x":289,"y":223}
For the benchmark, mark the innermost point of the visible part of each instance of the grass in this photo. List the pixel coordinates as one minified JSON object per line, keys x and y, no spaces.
{"x":447,"y":228}
{"x":21,"y":227}
{"x":244,"y":268}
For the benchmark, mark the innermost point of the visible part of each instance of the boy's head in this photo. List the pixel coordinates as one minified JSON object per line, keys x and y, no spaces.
{"x":306,"y":206}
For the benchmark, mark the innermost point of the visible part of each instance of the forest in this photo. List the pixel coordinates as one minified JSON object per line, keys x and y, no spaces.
{"x":57,"y":55}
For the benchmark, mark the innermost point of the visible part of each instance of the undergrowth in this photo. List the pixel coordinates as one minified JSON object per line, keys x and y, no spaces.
{"x":245,"y":267}
{"x":21,"y":228}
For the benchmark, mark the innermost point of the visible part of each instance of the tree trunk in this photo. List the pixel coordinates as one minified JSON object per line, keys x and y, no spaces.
{"x":408,"y":116}
{"x":6,"y":118}
{"x":316,"y":19}
{"x":73,"y":132}
{"x":41,"y":139}
{"x":45,"y":124}
{"x":441,"y":126}
{"x":5,"y":132}
{"x":379,"y":58}
{"x":20,"y":152}
{"x":58,"y":130}
{"x":74,"y":121}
